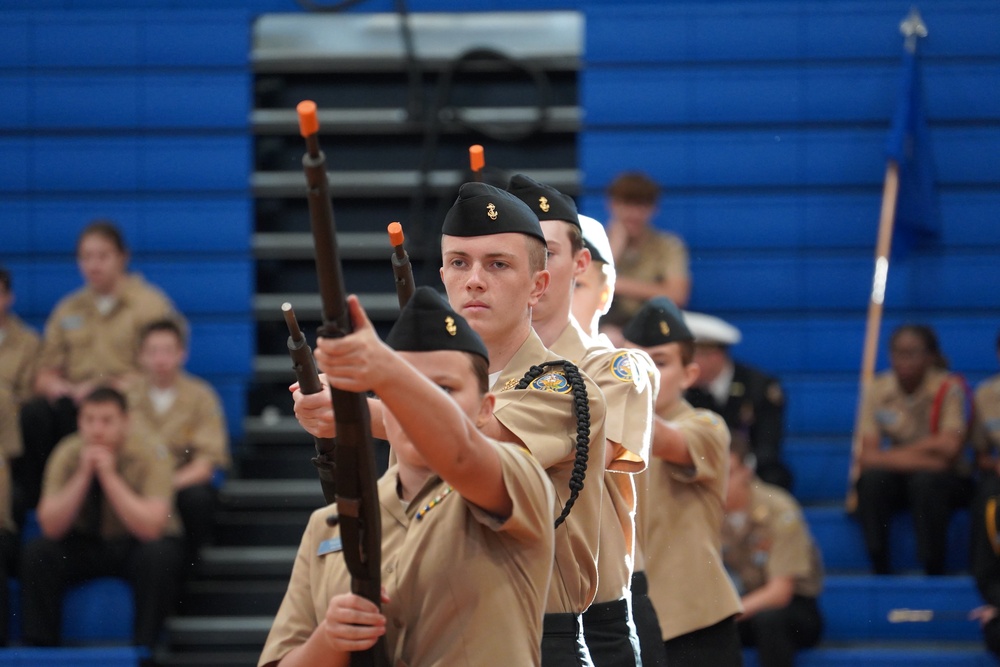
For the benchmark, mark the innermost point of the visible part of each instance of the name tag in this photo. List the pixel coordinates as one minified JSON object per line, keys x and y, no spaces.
{"x":993,"y":424}
{"x":72,"y":322}
{"x":329,"y":546}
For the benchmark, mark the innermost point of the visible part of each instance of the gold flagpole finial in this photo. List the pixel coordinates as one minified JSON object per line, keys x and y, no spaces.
{"x":913,"y":28}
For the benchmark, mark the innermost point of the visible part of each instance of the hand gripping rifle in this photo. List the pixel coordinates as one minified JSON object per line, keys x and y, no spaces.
{"x":305,"y":372}
{"x":401,"y":267}
{"x":358,"y":509}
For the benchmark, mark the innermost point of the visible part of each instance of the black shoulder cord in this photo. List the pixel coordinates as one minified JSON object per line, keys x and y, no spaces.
{"x":582,"y":426}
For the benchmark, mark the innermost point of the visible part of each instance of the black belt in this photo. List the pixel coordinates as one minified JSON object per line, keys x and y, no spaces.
{"x":561,"y":624}
{"x":640,"y":584}
{"x":605,"y":612}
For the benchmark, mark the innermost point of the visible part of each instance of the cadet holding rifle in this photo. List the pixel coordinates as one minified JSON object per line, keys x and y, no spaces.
{"x":467,"y":520}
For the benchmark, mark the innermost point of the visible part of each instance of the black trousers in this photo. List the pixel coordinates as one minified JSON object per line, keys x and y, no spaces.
{"x":43,"y":425}
{"x":779,"y":633}
{"x":991,"y":635}
{"x":932,"y":497}
{"x":49,"y":567}
{"x":8,"y":568}
{"x":197,"y":504}
{"x":610,"y":634}
{"x":715,"y":646}
{"x":562,"y":642}
{"x":647,"y":624}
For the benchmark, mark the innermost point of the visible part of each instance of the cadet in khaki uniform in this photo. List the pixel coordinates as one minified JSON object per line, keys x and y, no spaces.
{"x":91,"y":338}
{"x":592,"y":296}
{"x":648,"y":262}
{"x":19,"y":347}
{"x":105,"y":511}
{"x":493,"y":253}
{"x":608,"y":629}
{"x":919,"y":408}
{"x":774,"y":562}
{"x":468,"y":537}
{"x":184,"y":414}
{"x":681,"y":502}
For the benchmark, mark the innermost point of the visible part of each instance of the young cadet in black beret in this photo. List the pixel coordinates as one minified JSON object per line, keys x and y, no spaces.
{"x":493,"y":256}
{"x":682,"y":502}
{"x":467,"y":531}
{"x":607,"y":624}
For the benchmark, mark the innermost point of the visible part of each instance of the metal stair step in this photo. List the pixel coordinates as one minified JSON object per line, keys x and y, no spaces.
{"x":248,"y":632}
{"x":246,"y":562}
{"x":267,"y":307}
{"x":271,"y":494}
{"x":252,"y":527}
{"x":233,"y":598}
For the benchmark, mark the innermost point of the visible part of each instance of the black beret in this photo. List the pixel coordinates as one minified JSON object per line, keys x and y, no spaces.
{"x":427,"y":324}
{"x":546,"y":202}
{"x":658,"y":322}
{"x":482,"y":210}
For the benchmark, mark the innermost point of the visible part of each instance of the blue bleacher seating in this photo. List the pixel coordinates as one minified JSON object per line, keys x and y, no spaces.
{"x":122,"y":656}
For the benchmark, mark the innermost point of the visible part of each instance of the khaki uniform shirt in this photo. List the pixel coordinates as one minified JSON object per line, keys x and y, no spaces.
{"x":543,"y":416}
{"x":466,"y":588}
{"x":660,"y":256}
{"x":773,"y":541}
{"x":986,"y":427}
{"x":144,"y":468}
{"x":629,"y":402}
{"x":680,"y":519}
{"x":85,"y":345}
{"x":902,"y":418}
{"x":18,"y":356}
{"x":194,"y":427}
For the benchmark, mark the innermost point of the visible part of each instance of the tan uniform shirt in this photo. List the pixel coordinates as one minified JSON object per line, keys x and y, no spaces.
{"x":465,"y":587}
{"x":771,"y":540}
{"x":543,"y":416}
{"x":660,"y":256}
{"x":986,"y":426}
{"x":194,"y":427}
{"x":902,"y":418}
{"x":144,"y":468}
{"x":680,"y":519}
{"x":85,"y":345}
{"x":18,"y":355}
{"x":629,"y":402}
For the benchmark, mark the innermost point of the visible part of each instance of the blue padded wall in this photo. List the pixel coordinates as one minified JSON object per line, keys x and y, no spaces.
{"x":766,"y":122}
{"x":141,"y":117}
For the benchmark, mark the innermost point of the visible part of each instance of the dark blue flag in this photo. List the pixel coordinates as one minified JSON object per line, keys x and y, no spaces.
{"x":918,"y":217}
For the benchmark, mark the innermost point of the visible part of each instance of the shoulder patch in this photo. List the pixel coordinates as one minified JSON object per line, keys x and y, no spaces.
{"x":71,"y":322}
{"x":621,"y":366}
{"x":554,"y":381}
{"x":708,"y":417}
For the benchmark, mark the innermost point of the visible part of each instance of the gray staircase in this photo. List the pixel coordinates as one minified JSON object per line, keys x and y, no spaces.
{"x":397,"y":150}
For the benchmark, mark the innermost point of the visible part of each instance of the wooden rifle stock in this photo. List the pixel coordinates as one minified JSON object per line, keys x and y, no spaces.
{"x":401,"y":267}
{"x":358,"y":510}
{"x":308,"y":377}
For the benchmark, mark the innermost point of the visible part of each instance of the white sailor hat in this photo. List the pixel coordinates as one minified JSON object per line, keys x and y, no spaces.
{"x":712,"y":330}
{"x":596,"y":240}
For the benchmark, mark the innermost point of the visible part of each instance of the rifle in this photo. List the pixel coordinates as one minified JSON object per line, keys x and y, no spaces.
{"x":305,"y":372}
{"x":401,"y":267}
{"x":477,"y":160}
{"x":358,"y":510}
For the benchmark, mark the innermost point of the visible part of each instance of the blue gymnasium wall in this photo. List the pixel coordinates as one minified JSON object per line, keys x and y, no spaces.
{"x":141,"y":117}
{"x":765,"y":121}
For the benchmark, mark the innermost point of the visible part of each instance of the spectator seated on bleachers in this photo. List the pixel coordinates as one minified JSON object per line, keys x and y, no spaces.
{"x":105,"y":511}
{"x":182,"y":413}
{"x":921,"y":410}
{"x":774,"y":562}
{"x":751,"y":401}
{"x":649,"y":262}
{"x":90,"y":338}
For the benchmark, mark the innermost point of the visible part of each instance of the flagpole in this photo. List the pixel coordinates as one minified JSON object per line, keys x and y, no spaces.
{"x":912,"y":29}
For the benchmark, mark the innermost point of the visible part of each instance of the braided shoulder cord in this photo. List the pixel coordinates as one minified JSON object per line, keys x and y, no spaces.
{"x":582,"y":426}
